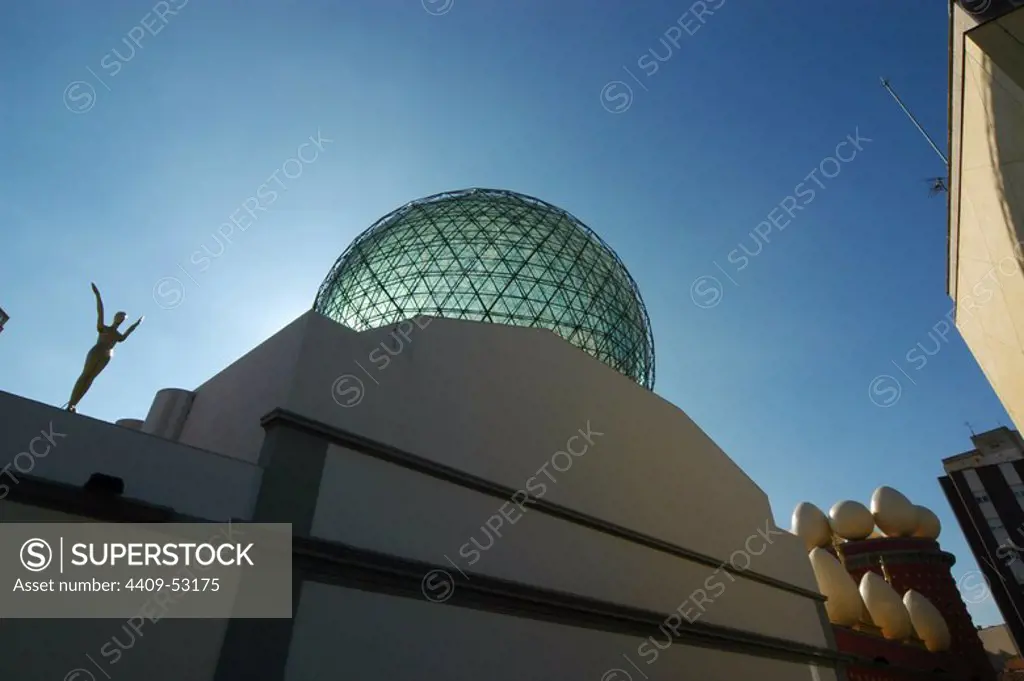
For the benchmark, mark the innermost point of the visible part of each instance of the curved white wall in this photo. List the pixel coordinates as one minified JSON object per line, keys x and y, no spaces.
{"x":168,"y":412}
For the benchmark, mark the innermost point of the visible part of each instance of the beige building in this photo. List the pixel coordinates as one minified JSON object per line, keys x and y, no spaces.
{"x":999,"y":645}
{"x":986,"y":197}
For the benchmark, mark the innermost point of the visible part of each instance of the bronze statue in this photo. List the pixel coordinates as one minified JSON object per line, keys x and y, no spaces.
{"x":101,"y":353}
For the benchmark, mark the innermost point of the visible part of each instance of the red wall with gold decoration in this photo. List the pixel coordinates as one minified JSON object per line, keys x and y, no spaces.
{"x":918,"y":564}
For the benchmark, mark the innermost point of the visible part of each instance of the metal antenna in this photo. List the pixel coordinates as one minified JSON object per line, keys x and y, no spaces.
{"x":887,"y":86}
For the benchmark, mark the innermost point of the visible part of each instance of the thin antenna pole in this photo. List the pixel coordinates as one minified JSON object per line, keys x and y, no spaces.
{"x":913,"y":120}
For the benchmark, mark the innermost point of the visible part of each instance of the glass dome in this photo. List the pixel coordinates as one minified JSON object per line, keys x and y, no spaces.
{"x":494,"y":256}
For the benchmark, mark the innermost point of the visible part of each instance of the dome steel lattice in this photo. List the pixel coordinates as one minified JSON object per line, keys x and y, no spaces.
{"x":494,"y":256}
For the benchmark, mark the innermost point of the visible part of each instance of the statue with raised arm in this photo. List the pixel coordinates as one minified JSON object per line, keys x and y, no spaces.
{"x":100,"y":355}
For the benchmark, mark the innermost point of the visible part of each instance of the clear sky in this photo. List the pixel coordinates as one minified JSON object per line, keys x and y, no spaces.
{"x":120,"y":166}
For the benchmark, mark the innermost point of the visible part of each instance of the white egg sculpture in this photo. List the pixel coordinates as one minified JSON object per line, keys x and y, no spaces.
{"x":865,"y":616}
{"x":885,"y":607}
{"x":928,"y":525}
{"x":811,"y":525}
{"x":844,"y":605}
{"x":927,"y":621}
{"x":851,"y":520}
{"x":893,"y":512}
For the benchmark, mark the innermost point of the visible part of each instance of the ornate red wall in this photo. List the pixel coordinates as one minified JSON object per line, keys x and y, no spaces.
{"x":908,"y":662}
{"x":917,"y":564}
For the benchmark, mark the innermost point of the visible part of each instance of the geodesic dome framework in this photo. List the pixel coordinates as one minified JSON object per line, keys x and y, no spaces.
{"x":494,"y":256}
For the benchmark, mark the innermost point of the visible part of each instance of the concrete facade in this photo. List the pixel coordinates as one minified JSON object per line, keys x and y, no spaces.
{"x":986,"y":199}
{"x":518,"y":506}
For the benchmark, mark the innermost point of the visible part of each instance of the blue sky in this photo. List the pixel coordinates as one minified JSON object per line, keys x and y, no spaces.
{"x":120,"y":166}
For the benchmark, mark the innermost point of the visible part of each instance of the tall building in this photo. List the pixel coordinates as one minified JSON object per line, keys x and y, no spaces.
{"x":479,"y":479}
{"x":985,"y":488}
{"x":986,"y":199}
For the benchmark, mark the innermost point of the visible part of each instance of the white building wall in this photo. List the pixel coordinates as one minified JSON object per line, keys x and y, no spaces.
{"x":401,"y":638}
{"x":225,"y":414}
{"x":51,"y":650}
{"x":498,"y":402}
{"x":405,"y":513}
{"x":981,"y":459}
{"x":190,"y":480}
